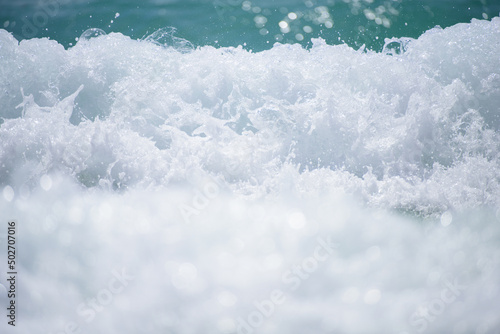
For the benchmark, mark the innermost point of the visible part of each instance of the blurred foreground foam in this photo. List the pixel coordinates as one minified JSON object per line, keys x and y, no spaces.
{"x":326,"y":262}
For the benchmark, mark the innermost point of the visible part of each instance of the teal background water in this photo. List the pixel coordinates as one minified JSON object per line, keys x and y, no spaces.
{"x":253,"y":24}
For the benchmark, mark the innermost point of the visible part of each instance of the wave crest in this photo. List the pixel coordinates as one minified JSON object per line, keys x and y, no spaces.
{"x":415,"y":127}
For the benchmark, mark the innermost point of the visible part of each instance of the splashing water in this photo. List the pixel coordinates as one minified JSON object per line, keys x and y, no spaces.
{"x":165,"y":37}
{"x":395,"y":131}
{"x":91,"y":33}
{"x":238,"y":192}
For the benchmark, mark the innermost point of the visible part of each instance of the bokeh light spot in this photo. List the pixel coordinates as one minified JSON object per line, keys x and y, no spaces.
{"x":46,"y":182}
{"x":297,"y":220}
{"x":372,"y":296}
{"x":350,"y":295}
{"x":446,"y":218}
{"x":8,"y":193}
{"x":227,"y":299}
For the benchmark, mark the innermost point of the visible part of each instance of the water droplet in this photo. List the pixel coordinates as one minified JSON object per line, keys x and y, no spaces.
{"x":46,"y":182}
{"x":297,"y":220}
{"x":91,"y":33}
{"x":8,"y":193}
{"x":372,"y":296}
{"x":373,"y":253}
{"x":226,"y":298}
{"x":350,"y":295}
{"x":446,"y":218}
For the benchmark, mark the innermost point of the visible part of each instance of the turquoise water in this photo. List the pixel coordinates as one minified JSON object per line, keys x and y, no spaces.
{"x":254,"y":24}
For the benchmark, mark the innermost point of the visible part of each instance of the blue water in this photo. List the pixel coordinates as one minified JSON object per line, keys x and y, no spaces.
{"x":178,"y":171}
{"x":254,"y":24}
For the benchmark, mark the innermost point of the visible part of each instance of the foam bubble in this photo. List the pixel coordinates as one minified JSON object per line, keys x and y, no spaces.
{"x":91,"y":33}
{"x":350,"y":295}
{"x":446,"y":218}
{"x":46,"y":182}
{"x":372,"y":296}
{"x":227,"y":299}
{"x":297,"y":220}
{"x":8,"y":193}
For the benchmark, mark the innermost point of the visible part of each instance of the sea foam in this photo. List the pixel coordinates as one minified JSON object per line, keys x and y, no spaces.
{"x":241,"y":192}
{"x":416,"y":130}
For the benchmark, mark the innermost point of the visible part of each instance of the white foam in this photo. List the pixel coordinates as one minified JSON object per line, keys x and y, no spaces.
{"x":234,"y":256}
{"x":217,"y":178}
{"x":397,"y":130}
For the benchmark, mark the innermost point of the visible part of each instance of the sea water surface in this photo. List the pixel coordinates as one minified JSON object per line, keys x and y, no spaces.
{"x":256,"y":25}
{"x":181,"y":170}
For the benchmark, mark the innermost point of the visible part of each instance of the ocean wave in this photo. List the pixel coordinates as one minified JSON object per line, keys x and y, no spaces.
{"x":415,"y":127}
